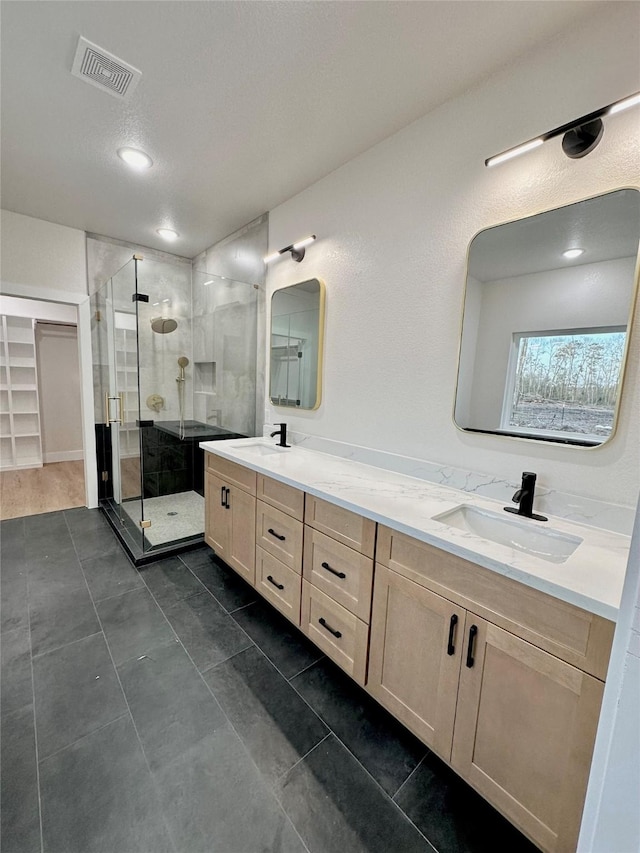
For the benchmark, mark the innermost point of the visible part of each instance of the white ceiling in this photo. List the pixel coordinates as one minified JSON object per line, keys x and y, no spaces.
{"x":241,"y":104}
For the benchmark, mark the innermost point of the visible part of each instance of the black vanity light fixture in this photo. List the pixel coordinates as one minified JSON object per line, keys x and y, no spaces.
{"x":297,"y":250}
{"x":579,"y":137}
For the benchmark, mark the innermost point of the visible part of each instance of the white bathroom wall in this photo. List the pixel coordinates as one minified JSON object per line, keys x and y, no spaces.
{"x":393,"y":229}
{"x":592,"y":295}
{"x":59,"y":386}
{"x":42,"y":254}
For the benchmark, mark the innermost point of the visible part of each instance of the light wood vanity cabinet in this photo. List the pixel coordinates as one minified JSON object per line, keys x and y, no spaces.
{"x":340,"y":572}
{"x":516,"y":721}
{"x":524,"y":732}
{"x":230,"y":514}
{"x":279,"y":585}
{"x":278,"y":538}
{"x":336,"y":590}
{"x":411,"y":672}
{"x":341,"y":635}
{"x":504,"y":682}
{"x":279,"y":535}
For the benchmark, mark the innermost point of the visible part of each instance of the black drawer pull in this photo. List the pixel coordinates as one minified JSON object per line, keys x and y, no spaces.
{"x":226,"y":500}
{"x":329,"y":628}
{"x":277,"y":535}
{"x":222,"y":490}
{"x":333,"y":571}
{"x":451,"y":649}
{"x":275,"y":583}
{"x":473,"y":630}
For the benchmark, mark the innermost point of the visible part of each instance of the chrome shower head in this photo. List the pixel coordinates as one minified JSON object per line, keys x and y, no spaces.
{"x":163,"y":325}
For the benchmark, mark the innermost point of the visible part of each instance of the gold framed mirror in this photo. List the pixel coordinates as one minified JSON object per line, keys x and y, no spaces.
{"x":296,"y":344}
{"x":547,"y":314}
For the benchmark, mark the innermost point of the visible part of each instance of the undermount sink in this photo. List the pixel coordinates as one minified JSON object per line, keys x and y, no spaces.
{"x":542,"y":542}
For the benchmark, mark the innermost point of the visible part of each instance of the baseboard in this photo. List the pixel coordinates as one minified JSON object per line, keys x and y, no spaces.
{"x":63,"y":456}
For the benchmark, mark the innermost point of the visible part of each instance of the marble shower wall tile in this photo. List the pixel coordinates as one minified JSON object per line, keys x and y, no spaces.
{"x":618,"y":519}
{"x":228,"y":330}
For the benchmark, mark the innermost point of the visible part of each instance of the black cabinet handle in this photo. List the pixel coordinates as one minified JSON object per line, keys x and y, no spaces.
{"x":226,"y":500}
{"x":277,"y":535}
{"x":333,"y":571}
{"x":473,"y":630}
{"x":451,"y":649}
{"x":222,"y":491}
{"x":329,"y":628}
{"x":275,"y":583}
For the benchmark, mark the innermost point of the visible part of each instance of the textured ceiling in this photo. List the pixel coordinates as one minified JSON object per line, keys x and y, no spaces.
{"x":241,"y":104}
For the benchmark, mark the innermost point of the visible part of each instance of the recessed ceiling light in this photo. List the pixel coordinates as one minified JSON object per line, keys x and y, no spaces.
{"x":166,"y":300}
{"x":208,"y":282}
{"x":168,"y":233}
{"x":155,"y":303}
{"x":573,"y":253}
{"x":135,"y":158}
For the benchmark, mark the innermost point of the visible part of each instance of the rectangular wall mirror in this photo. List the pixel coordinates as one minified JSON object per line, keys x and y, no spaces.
{"x":547,"y":311}
{"x":297,"y":321}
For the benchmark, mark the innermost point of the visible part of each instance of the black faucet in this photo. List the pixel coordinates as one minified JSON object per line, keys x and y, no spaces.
{"x":282,"y":432}
{"x":524,"y":498}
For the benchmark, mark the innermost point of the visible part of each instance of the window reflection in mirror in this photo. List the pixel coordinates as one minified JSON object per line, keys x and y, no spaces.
{"x":297,"y":318}
{"x":544,"y":334}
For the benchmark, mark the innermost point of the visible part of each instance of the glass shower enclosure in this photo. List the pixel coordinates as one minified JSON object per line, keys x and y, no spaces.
{"x":159,"y":390}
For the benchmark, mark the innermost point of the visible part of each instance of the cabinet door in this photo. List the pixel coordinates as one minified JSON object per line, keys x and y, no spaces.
{"x":217,"y":521}
{"x":241,"y":551}
{"x":414,"y":656}
{"x":525,"y":726}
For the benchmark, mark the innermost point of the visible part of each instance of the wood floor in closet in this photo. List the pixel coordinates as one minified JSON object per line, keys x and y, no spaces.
{"x":31,"y":491}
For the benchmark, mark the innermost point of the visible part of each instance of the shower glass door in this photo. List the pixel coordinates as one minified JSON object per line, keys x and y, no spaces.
{"x":122,"y":402}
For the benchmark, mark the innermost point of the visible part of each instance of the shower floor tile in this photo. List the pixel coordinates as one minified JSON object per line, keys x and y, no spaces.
{"x":188,"y":520}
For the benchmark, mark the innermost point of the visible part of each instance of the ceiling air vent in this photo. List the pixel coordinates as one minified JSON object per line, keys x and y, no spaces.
{"x":97,"y":66}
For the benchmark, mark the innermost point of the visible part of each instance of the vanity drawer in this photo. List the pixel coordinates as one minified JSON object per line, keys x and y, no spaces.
{"x":347,"y":527}
{"x":339,"y":571}
{"x":322,"y":619}
{"x":279,"y":535}
{"x":232,"y":473}
{"x":281,"y":496}
{"x":279,"y":585}
{"x":570,"y":633}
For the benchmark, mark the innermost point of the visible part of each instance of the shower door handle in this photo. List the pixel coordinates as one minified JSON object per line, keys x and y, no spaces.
{"x":117,"y":398}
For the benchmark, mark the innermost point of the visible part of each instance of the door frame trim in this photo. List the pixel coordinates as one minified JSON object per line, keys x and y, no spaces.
{"x":83,"y":308}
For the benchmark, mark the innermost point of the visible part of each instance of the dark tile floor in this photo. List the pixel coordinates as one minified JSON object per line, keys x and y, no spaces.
{"x":169,"y":709}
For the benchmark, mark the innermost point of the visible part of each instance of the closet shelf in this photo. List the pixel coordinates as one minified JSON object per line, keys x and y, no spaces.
{"x":20,"y":403}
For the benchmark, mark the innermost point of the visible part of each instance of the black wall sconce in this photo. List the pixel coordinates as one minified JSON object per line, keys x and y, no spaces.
{"x":297,"y":250}
{"x":579,"y":137}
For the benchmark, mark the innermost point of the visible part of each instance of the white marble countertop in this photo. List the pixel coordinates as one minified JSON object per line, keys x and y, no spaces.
{"x":591,"y":577}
